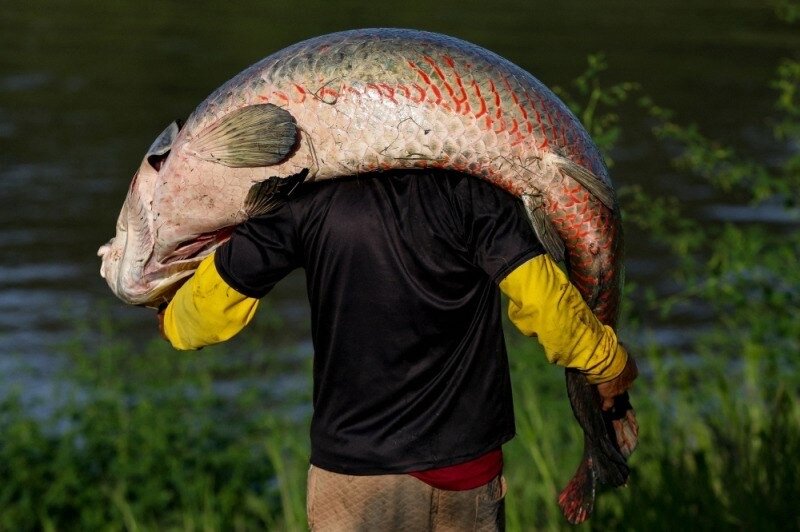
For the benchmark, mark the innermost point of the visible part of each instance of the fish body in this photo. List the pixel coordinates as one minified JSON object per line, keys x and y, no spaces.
{"x":363,"y":101}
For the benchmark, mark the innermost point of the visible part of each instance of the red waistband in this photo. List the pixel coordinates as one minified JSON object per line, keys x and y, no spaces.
{"x":464,"y":476}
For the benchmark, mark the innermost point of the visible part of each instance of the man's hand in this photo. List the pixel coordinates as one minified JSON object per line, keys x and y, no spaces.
{"x":625,"y":426}
{"x":618,"y":385}
{"x":160,"y":318}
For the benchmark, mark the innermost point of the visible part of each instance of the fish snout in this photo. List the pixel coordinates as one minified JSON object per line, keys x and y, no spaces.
{"x":103,"y":250}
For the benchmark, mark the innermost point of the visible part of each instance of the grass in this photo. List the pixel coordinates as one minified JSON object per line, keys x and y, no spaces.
{"x":157,"y":447}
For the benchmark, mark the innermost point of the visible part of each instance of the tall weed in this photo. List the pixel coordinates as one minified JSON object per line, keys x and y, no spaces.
{"x":719,"y":415}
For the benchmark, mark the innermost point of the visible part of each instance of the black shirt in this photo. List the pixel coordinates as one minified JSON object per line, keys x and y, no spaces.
{"x":410,"y":366}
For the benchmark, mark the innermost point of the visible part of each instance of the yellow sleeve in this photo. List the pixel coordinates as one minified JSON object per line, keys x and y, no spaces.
{"x":543,"y":302}
{"x":206,"y":310}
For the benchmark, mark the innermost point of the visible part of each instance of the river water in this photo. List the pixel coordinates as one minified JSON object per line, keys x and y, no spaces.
{"x":85,"y":86}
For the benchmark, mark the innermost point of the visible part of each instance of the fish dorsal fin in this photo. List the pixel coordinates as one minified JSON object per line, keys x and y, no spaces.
{"x":256,"y":135}
{"x":544,"y":228}
{"x":267,"y":195}
{"x":589,"y":181}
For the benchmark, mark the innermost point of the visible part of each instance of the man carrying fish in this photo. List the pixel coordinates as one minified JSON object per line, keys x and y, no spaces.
{"x":414,"y":177}
{"x":412,"y":398}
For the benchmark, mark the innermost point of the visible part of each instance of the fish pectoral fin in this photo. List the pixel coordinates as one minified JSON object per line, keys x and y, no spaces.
{"x":589,"y":181}
{"x":543,"y":227}
{"x":267,"y":195}
{"x":256,"y":135}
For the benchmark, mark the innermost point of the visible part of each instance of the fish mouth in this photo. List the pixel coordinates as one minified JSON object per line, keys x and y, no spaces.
{"x":198,"y":246}
{"x":160,"y":280}
{"x":137,"y":277}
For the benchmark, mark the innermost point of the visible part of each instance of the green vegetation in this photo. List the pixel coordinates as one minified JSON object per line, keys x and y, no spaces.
{"x":147,"y":439}
{"x":719,"y":415}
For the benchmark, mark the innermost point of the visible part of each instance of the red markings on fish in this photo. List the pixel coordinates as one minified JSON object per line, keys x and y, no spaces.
{"x":480,"y":99}
{"x":301,"y":92}
{"x":536,"y":112}
{"x":428,"y":59}
{"x":384,"y":91}
{"x":498,"y":110}
{"x":419,"y":71}
{"x":440,"y":74}
{"x":387,"y":91}
{"x":421,"y":92}
{"x":496,"y":94}
{"x":274,"y":96}
{"x":327,"y":94}
{"x":556,"y":133}
{"x":434,"y":89}
{"x":553,"y":134}
{"x":515,"y":133}
{"x":520,"y":107}
{"x":464,"y":100}
{"x":510,"y":90}
{"x":437,"y":93}
{"x":372,"y":88}
{"x":405,"y":91}
{"x":514,"y":127}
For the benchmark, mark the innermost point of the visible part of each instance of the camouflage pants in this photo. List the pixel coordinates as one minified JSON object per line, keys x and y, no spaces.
{"x":348,"y":503}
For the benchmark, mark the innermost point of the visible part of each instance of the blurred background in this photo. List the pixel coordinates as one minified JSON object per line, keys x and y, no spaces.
{"x":86,"y":86}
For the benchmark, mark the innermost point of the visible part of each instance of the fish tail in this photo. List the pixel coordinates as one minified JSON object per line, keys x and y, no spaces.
{"x":602,"y":460}
{"x":576,"y":500}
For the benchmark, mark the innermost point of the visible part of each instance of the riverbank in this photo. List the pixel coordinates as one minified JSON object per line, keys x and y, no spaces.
{"x":163,"y":443}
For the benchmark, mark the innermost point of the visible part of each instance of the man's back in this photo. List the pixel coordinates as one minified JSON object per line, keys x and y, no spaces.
{"x":410,"y":369}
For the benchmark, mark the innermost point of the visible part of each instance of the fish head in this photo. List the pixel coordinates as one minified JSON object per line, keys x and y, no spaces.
{"x":187,"y":196}
{"x":164,"y":228}
{"x":127,"y":258}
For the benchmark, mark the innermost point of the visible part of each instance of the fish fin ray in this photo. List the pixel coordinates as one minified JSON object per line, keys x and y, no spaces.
{"x":596,"y":187}
{"x":265,"y":196}
{"x":543,"y":227}
{"x":253,"y":136}
{"x":577,"y":498}
{"x":608,"y":462}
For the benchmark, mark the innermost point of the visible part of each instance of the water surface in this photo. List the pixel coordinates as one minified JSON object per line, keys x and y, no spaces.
{"x":85,"y":86}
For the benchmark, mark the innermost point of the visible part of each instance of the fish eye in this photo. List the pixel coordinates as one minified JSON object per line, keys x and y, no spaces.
{"x":157,"y":160}
{"x":161,"y":147}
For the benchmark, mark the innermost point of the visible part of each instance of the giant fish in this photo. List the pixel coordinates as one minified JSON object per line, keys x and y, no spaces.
{"x":371,"y":100}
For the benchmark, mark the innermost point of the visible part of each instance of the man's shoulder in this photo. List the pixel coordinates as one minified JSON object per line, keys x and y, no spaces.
{"x":437,"y":182}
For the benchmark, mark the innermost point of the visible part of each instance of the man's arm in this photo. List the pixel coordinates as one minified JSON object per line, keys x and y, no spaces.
{"x":222,"y":296}
{"x":205,"y":310}
{"x":544,"y":303}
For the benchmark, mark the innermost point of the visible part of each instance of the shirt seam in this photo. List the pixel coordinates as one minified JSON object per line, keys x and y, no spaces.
{"x":518,"y":260}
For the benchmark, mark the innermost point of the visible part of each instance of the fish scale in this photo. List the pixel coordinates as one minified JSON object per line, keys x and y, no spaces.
{"x":371,"y":100}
